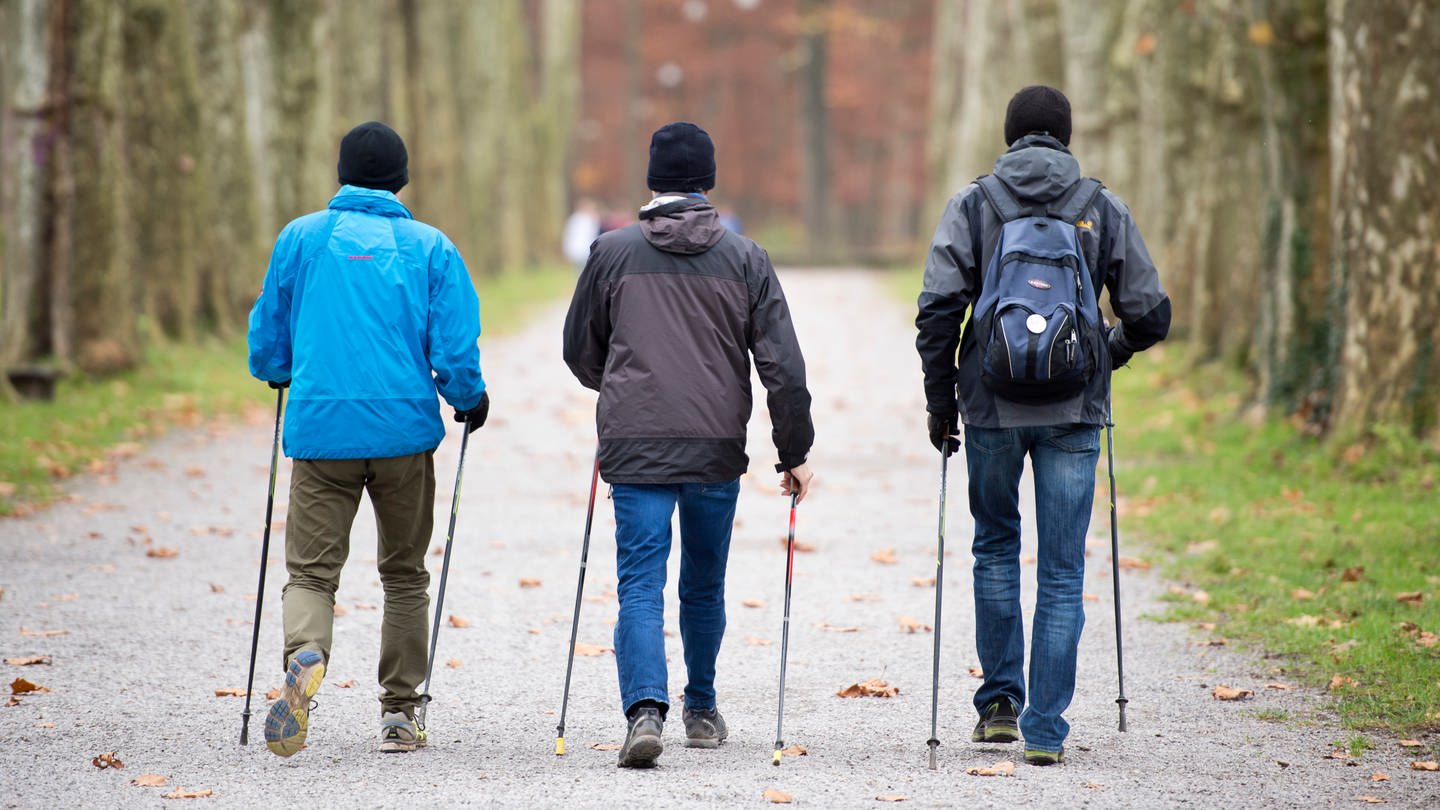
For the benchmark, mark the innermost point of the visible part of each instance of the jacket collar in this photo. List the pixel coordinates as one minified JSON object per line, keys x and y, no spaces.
{"x":369,"y":200}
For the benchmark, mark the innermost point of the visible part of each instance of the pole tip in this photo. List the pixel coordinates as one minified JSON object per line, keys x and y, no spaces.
{"x":559,"y":746}
{"x":776,"y":760}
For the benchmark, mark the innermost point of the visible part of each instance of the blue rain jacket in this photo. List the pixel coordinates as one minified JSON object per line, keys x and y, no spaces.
{"x":367,"y":313}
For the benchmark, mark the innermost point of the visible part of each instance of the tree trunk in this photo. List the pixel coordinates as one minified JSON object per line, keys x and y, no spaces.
{"x":1385,"y":205}
{"x":817,"y":202}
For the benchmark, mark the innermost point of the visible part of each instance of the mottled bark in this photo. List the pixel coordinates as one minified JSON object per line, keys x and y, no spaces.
{"x":815,"y":129}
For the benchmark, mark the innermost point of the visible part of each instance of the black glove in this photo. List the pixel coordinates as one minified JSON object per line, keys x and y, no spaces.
{"x":276,"y":386}
{"x":475,"y":417}
{"x":942,"y":432}
{"x":1119,"y":355}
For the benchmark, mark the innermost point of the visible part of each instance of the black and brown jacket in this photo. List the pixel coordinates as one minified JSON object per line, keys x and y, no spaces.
{"x":665,"y":318}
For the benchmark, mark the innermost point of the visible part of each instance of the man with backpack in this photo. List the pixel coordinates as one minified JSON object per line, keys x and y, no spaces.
{"x":665,"y":320}
{"x":1026,"y":249}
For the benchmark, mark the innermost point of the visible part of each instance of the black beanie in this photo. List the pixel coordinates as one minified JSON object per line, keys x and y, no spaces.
{"x":373,"y":156}
{"x":1038,"y":108}
{"x":682,"y":158}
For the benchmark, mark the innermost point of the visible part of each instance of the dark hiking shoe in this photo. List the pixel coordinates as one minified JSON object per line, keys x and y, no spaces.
{"x":399,"y":734}
{"x":704,"y":728}
{"x":1037,"y":757}
{"x":642,"y":742}
{"x":999,"y":724}
{"x":289,"y":719}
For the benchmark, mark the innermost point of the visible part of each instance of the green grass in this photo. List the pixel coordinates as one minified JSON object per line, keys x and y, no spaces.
{"x":94,"y":422}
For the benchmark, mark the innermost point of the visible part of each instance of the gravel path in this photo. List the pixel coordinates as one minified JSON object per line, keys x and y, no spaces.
{"x":150,"y":639}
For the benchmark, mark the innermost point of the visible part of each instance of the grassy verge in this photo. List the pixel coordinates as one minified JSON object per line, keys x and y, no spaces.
{"x":94,"y":422}
{"x":1324,"y":555}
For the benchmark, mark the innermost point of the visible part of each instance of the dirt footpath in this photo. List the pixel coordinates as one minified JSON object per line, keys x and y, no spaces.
{"x":141,"y":589}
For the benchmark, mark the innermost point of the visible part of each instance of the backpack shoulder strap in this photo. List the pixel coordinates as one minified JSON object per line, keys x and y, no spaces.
{"x":1082,"y":195}
{"x":1000,"y":198}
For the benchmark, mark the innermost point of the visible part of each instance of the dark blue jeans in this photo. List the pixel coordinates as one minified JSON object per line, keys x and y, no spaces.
{"x":642,"y":549}
{"x":1063,"y":459}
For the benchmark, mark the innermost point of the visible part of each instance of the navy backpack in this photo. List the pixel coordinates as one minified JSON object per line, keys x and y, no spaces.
{"x":1037,"y":320}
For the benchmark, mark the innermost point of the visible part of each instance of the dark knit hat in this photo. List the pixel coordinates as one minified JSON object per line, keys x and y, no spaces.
{"x":372,"y":155}
{"x":682,"y":158}
{"x":1038,"y":108}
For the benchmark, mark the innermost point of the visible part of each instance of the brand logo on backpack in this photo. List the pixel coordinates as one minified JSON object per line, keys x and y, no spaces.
{"x":1037,"y":323}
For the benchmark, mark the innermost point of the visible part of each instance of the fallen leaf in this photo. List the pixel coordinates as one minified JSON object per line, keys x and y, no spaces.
{"x":44,"y":724}
{"x":606,"y":746}
{"x":1340,"y":682}
{"x":864,"y":597}
{"x":437,"y":551}
{"x":796,"y":750}
{"x":364,"y":606}
{"x":1302,"y":595}
{"x":911,"y":625}
{"x":28,"y":661}
{"x":454,"y":663}
{"x":1427,"y":639}
{"x":885,"y":556}
{"x":1201,"y":597}
{"x":1372,"y":800}
{"x":20,"y":686}
{"x":871,"y":688}
{"x":1278,"y":685}
{"x":534,"y":631}
{"x":1425,"y":765}
{"x":182,"y":793}
{"x":1379,"y":776}
{"x":1092,"y":786}
{"x":777,"y":796}
{"x":590,"y":650}
{"x":1305,"y":620}
{"x":1089,"y":597}
{"x":14,"y":701}
{"x":348,"y":683}
{"x":1027,"y":559}
{"x":831,"y":628}
{"x":1002,"y":768}
{"x":529,"y":582}
{"x":1414,"y":597}
{"x":923,"y":582}
{"x":273,"y":694}
{"x":1353,"y":574}
{"x":1223,"y":692}
{"x":339,"y":610}
{"x":1337,"y":753}
{"x":800,"y":546}
{"x":753,"y":603}
{"x":148,"y":780}
{"x":977,"y":672}
{"x":456,"y":621}
{"x":1133,"y":564}
{"x":214,"y":588}
{"x":107,"y":760}
{"x":756,"y":641}
{"x":161,"y":552}
{"x":887,"y":798}
{"x":230,"y":692}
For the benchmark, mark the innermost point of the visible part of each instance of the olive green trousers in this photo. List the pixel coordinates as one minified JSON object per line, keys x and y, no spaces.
{"x":324,"y":496}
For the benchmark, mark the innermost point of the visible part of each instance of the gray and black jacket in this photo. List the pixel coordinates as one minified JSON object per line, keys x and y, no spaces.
{"x":665,"y":318}
{"x":1037,"y":168}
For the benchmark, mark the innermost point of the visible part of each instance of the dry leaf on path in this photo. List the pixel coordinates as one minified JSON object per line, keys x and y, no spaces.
{"x":1133,"y":564}
{"x":1278,"y":685}
{"x":28,"y":661}
{"x":912,"y":625}
{"x":800,"y":546}
{"x":831,"y":628}
{"x":348,"y":683}
{"x":529,"y":582}
{"x":1414,"y":597}
{"x":864,"y":597}
{"x":1340,"y":682}
{"x":1372,"y":800}
{"x":1092,"y":786}
{"x":606,"y":746}
{"x":977,"y":672}
{"x":1379,"y":776}
{"x":1410,"y":743}
{"x":871,"y":688}
{"x":1425,"y":765}
{"x":230,"y":692}
{"x":107,"y":760}
{"x":796,"y":750}
{"x":756,"y":641}
{"x":273,"y":694}
{"x":13,"y":701}
{"x":215,"y":588}
{"x":1002,"y":768}
{"x":456,"y":621}
{"x":777,"y":796}
{"x":885,"y":556}
{"x":339,"y":610}
{"x":897,"y":798}
{"x":1027,"y":559}
{"x":182,"y":793}
{"x":454,"y":663}
{"x":1089,"y":597}
{"x":753,"y":603}
{"x":590,"y":650}
{"x":148,"y":780}
{"x":1337,"y":753}
{"x":923,"y":582}
{"x":20,"y":686}
{"x":1223,"y":692}
{"x":44,"y":724}
{"x":161,"y":552}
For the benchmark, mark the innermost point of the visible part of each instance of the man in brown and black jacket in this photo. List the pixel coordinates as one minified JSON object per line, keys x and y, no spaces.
{"x":666,"y":317}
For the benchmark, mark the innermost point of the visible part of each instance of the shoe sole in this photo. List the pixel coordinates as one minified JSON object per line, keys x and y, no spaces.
{"x":288,"y":722}
{"x":642,"y":753}
{"x":1044,"y":758}
{"x":703,"y":742}
{"x":398,"y":747}
{"x":996,"y":735}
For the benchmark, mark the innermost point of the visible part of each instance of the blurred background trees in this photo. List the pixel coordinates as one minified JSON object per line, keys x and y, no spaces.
{"x":1279,"y":155}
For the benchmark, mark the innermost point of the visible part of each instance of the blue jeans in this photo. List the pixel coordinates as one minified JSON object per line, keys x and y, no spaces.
{"x":1063,"y":459}
{"x":642,"y":549}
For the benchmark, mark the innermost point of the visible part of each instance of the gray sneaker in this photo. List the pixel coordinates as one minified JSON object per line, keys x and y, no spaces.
{"x":642,"y":742}
{"x":704,"y":728}
{"x":398,"y":734}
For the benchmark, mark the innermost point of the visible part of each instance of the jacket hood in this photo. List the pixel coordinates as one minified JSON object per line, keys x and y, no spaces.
{"x":1038,"y":167}
{"x":681,"y":224}
{"x":369,"y":200}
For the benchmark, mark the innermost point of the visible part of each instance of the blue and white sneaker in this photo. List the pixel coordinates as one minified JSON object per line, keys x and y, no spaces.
{"x":289,"y":719}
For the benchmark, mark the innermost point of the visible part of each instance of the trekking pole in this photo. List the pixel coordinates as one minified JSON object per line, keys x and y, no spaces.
{"x":785,"y":627}
{"x":444,"y":573}
{"x":1115,"y":563}
{"x":264,"y":557}
{"x":934,"y":741}
{"x":575,"y":620}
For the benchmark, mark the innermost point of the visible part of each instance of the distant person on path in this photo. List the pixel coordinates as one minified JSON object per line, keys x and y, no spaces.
{"x":1033,"y":379}
{"x":365,"y":315}
{"x":581,"y":228}
{"x":665,"y":319}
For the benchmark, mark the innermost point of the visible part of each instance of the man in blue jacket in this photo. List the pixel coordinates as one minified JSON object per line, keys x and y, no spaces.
{"x":365,"y":315}
{"x":1061,"y":436}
